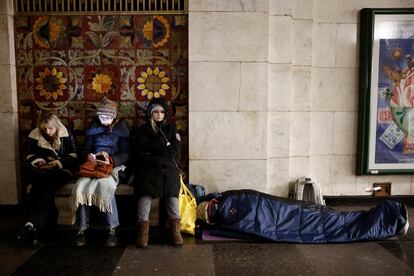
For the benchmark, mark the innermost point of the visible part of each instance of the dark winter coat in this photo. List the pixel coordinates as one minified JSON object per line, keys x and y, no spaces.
{"x":39,"y":148}
{"x":156,"y":169}
{"x":112,"y":139}
{"x":285,"y":220}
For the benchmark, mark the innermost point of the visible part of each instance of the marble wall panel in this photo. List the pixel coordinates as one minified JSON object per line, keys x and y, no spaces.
{"x":334,"y":89}
{"x":302,"y":9}
{"x":280,"y":83}
{"x":223,"y":175}
{"x":298,"y":167}
{"x":337,"y":11}
{"x":228,"y":36}
{"x":4,"y":40}
{"x":388,"y":3}
{"x":300,"y":134}
{"x":229,"y":5}
{"x":8,"y":89}
{"x":12,"y":53}
{"x":8,"y":180}
{"x":319,"y":171}
{"x":302,"y":42}
{"x":324,"y":44}
{"x":301,"y":88}
{"x":342,"y":175}
{"x":322,"y":133}
{"x":278,"y":134}
{"x":280,"y":39}
{"x":6,"y":7}
{"x":347,"y":49}
{"x":344,"y":132}
{"x":214,"y":86}
{"x":228,"y":135}
{"x":9,"y":135}
{"x":253,"y":87}
{"x":278,"y":176}
{"x":280,"y":7}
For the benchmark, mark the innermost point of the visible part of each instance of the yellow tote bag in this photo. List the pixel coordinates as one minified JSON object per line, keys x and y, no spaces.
{"x":188,"y":209}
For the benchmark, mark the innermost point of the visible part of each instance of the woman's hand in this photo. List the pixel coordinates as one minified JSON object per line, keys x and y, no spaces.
{"x":49,"y":165}
{"x":102,"y":157}
{"x":91,"y":157}
{"x":41,"y":163}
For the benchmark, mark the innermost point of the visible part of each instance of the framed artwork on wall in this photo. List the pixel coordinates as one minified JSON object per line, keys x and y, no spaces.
{"x":386,"y":92}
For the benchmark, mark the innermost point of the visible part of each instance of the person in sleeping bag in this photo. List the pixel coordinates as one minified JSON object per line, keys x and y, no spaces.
{"x":286,"y":220}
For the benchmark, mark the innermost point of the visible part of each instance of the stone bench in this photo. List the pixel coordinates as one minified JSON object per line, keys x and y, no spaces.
{"x":67,"y":216}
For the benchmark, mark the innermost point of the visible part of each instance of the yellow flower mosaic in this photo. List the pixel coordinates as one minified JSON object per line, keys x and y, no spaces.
{"x":50,"y":83}
{"x":153,"y":83}
{"x":101,"y":83}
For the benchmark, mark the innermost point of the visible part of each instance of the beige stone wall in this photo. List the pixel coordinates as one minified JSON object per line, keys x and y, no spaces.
{"x":273,"y":95}
{"x":9,"y":178}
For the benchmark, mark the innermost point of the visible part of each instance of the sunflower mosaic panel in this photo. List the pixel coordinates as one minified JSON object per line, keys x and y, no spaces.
{"x":67,"y":64}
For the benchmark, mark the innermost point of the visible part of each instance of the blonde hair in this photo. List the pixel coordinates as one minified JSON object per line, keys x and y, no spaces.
{"x":52,"y":120}
{"x":153,"y":125}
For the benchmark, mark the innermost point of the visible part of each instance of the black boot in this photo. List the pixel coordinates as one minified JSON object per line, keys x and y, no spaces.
{"x":111,"y":240}
{"x":80,"y":239}
{"x":28,"y":235}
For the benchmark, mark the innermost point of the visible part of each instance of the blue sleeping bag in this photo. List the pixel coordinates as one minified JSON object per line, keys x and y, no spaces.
{"x":285,"y":220}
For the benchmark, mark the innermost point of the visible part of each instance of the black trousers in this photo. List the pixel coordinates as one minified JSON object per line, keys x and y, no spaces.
{"x":41,"y":204}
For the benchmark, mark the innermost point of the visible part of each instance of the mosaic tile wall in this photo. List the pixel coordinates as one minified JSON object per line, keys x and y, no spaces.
{"x":69,"y":63}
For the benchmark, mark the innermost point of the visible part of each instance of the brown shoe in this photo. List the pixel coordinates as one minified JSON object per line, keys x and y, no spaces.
{"x":176,"y":237}
{"x":142,"y":233}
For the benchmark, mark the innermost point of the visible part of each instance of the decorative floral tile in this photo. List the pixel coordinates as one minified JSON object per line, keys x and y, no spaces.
{"x":50,"y":84}
{"x":49,"y":32}
{"x":161,"y":31}
{"x":143,"y":32}
{"x":101,"y":82}
{"x":90,"y":32}
{"x":75,"y":39}
{"x":153,"y":82}
{"x":126,"y":57}
{"x":127,"y":32}
{"x":68,"y":63}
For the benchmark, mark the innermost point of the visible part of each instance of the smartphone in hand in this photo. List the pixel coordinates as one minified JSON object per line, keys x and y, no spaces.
{"x":100,"y":157}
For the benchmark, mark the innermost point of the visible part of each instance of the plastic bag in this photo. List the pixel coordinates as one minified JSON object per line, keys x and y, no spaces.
{"x":188,"y":209}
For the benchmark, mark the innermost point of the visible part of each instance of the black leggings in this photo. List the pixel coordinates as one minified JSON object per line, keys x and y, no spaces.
{"x":42,"y":196}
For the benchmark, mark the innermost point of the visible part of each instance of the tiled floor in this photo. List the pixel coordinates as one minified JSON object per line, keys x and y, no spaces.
{"x":58,"y":256}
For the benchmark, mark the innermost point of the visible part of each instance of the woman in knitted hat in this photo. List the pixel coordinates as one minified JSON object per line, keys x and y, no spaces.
{"x":106,"y":139}
{"x":156,"y":148}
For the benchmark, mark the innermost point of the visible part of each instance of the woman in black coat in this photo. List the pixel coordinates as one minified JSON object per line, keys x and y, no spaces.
{"x":156,"y":147}
{"x":50,"y":163}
